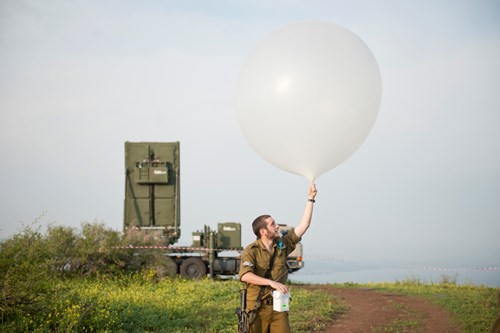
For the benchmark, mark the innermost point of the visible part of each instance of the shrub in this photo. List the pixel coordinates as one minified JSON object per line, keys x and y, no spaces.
{"x":96,"y":252}
{"x":61,"y":244}
{"x":30,"y":263}
{"x":25,"y":275}
{"x":91,"y":252}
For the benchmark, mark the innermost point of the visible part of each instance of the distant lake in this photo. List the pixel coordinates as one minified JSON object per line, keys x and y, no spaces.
{"x":324,"y":271}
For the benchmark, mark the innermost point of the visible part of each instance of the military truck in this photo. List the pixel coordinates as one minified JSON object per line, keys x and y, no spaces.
{"x":153,"y":223}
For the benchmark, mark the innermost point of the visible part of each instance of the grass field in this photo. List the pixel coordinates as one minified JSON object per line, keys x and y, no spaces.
{"x":137,"y":304}
{"x":76,"y":281}
{"x":141,"y":304}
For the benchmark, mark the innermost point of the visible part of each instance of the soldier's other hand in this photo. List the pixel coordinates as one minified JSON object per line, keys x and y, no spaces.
{"x":279,"y":287}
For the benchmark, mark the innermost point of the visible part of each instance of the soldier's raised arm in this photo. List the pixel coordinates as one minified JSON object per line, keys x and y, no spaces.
{"x":305,"y":222}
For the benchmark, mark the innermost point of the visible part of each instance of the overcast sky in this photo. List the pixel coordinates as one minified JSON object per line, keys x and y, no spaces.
{"x":79,"y":78}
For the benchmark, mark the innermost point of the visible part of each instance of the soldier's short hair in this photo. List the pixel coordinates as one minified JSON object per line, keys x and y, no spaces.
{"x":259,"y":223}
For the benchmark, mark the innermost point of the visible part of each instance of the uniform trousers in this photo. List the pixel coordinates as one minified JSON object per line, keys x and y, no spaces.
{"x":269,"y":321}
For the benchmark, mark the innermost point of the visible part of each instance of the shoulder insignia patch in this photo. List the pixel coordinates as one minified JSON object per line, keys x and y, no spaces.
{"x":280,"y":244}
{"x":247,"y":264}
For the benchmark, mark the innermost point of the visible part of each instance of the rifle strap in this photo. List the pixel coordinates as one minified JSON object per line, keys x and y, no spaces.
{"x":267,"y":276}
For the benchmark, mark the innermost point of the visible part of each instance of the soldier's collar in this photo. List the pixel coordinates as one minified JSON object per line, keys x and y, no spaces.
{"x":261,"y":244}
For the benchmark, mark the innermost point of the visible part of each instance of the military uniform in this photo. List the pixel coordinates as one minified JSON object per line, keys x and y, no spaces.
{"x":256,"y":259}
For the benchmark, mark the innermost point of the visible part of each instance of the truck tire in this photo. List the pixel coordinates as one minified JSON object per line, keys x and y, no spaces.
{"x":193,"y":268}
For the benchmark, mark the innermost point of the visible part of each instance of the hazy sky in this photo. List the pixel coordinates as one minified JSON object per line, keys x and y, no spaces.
{"x":79,"y":78}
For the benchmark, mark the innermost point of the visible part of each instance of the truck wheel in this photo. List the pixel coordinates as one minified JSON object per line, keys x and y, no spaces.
{"x":193,"y":268}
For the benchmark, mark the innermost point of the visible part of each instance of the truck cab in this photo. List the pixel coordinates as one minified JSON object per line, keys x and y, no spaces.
{"x":294,"y":261}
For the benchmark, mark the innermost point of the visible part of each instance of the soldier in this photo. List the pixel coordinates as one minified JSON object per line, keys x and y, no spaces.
{"x":263,"y":268}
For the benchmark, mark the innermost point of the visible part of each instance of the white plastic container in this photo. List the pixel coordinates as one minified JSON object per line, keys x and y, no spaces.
{"x":281,"y":302}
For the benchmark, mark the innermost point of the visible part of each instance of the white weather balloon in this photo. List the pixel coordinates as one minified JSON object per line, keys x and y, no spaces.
{"x":307,"y":97}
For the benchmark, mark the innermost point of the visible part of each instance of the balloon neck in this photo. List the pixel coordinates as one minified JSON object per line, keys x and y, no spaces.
{"x":311,"y":179}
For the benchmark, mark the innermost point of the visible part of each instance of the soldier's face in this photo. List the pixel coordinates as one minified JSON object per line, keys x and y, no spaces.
{"x":272,"y":228}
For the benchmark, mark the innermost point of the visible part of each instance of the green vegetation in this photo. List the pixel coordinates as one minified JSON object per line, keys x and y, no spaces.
{"x":70,"y":281}
{"x":138,"y":303}
{"x":135,"y":303}
{"x":76,"y":281}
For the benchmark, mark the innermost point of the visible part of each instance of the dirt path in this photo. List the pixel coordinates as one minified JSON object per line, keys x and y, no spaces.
{"x":376,"y":311}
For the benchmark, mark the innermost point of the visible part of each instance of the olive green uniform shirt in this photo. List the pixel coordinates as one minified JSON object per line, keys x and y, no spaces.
{"x":256,"y":259}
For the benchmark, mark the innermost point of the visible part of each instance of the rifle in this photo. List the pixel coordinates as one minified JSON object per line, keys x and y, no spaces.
{"x":242,"y":313}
